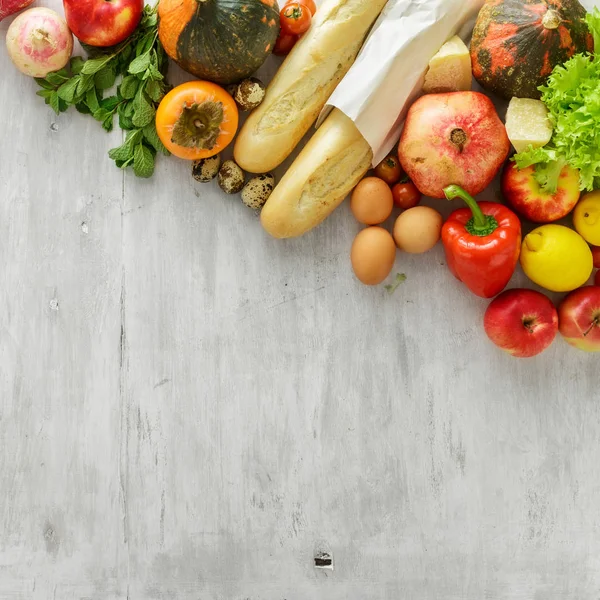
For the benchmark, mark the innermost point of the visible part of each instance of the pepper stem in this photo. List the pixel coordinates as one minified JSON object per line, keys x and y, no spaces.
{"x":480,"y":224}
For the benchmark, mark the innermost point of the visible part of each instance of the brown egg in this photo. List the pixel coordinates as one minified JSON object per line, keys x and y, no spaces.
{"x":418,"y":229}
{"x":373,"y":255}
{"x":372,"y":201}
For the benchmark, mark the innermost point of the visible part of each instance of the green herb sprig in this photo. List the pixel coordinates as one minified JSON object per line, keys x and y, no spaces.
{"x":139,"y":66}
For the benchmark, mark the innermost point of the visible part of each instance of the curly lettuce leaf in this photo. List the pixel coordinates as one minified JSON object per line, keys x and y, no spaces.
{"x":572,"y":96}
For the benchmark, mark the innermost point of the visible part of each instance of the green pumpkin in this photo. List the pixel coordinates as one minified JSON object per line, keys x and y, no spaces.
{"x":517,"y":43}
{"x":223,"y":41}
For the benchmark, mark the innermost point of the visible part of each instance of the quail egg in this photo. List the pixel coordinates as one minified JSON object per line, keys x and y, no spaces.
{"x":257,"y":191}
{"x":206,"y":169}
{"x":231,"y":177}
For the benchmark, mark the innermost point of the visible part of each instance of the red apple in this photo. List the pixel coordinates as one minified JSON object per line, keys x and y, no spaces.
{"x":579,"y":316}
{"x":103,"y":22}
{"x":455,"y":138}
{"x":597,"y":279}
{"x":596,"y":255}
{"x":521,"y":322}
{"x":524,"y":194}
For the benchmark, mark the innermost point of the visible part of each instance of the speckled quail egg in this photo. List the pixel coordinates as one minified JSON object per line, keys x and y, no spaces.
{"x":250,"y":93}
{"x":231,"y":177}
{"x":206,"y":169}
{"x":257,"y":191}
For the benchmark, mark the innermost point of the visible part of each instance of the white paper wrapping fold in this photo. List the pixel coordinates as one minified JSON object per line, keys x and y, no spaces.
{"x":388,"y":73}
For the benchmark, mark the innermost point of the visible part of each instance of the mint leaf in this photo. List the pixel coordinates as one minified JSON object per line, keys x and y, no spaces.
{"x":140,"y":64}
{"x":125,"y":122}
{"x":129,"y":87}
{"x":44,"y":84}
{"x":105,"y":78}
{"x":83,"y":108}
{"x":143,"y":161}
{"x":91,"y":99}
{"x":77,"y":63}
{"x":107,"y":123}
{"x":68,"y":89}
{"x":111,"y":103}
{"x":144,"y":110}
{"x":95,"y":65}
{"x":152,"y":138}
{"x":54,"y":102}
{"x":45,"y":93}
{"x":56,"y":78}
{"x":155,"y":90}
{"x":85,"y":83}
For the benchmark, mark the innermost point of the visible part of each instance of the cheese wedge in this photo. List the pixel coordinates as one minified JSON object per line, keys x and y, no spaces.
{"x":527,"y":123}
{"x":450,"y":69}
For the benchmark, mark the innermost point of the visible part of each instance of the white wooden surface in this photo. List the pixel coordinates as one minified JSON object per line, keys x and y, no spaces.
{"x":190,"y":409}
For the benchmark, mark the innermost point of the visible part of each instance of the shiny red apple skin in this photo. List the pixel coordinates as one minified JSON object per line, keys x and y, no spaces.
{"x":579,"y":316}
{"x":521,"y":322}
{"x":454,"y":138}
{"x":103,"y":23}
{"x":522,"y":191}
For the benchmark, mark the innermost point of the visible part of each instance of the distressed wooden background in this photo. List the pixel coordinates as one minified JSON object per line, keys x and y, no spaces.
{"x":190,"y":410}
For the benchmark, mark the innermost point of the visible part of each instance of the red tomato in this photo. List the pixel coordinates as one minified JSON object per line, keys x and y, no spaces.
{"x":406,"y":195}
{"x":310,"y":4}
{"x":389,"y":170}
{"x":295,"y":18}
{"x":597,"y":278}
{"x":284,"y":44}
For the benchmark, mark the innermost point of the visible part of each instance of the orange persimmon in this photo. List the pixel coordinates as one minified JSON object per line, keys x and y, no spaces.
{"x":197,"y":120}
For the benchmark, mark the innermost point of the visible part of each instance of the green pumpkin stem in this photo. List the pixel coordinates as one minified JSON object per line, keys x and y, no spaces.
{"x":199,"y":125}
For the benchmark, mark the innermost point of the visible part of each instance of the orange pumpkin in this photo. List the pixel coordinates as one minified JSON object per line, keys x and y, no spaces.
{"x":197,"y":120}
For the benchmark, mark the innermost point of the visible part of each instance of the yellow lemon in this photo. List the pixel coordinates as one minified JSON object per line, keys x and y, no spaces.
{"x":586,"y":218}
{"x":556,"y":258}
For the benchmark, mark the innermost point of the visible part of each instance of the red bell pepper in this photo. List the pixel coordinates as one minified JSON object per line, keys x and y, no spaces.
{"x":482,"y":243}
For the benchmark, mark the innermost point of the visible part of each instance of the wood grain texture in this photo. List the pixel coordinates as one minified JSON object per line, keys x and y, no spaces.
{"x":190,"y":409}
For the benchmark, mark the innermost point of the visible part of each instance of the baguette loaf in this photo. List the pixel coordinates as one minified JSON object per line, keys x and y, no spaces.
{"x":304,"y":83}
{"x":332,"y":163}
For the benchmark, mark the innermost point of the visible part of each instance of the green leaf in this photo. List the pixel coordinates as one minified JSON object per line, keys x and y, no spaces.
{"x":140,"y":64}
{"x":54,"y":102}
{"x":105,"y":78}
{"x":85,"y":83}
{"x":155,"y":90}
{"x":125,"y":122}
{"x":45,"y":93}
{"x":152,"y":138}
{"x":400,"y":279}
{"x":143,"y":161}
{"x":91,"y":99}
{"x":56,"y":78}
{"x":95,"y":65}
{"x":155,"y":73}
{"x":144,"y":110}
{"x":83,"y":108}
{"x":129,"y":86}
{"x":77,"y":63}
{"x":111,"y":103}
{"x":44,"y":84}
{"x":107,"y":124}
{"x":68,"y":89}
{"x":122,"y":153}
{"x":125,"y":150}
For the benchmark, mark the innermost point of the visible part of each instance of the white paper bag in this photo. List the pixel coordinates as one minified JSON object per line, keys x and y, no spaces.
{"x":389,"y":71}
